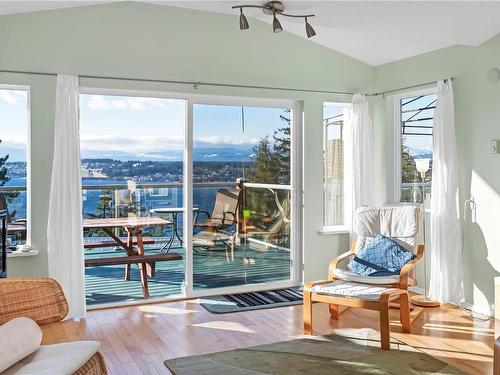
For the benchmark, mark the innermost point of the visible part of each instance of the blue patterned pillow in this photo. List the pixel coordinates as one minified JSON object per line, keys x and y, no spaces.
{"x":381,"y":257}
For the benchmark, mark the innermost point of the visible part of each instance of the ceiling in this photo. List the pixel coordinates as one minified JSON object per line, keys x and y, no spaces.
{"x":375,"y":32}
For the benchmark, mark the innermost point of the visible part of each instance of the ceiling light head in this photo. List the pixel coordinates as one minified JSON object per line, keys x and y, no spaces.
{"x":276,"y":24}
{"x":243,"y":21}
{"x":309,"y":30}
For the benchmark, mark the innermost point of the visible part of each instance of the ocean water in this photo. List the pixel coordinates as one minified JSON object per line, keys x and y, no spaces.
{"x":116,"y":202}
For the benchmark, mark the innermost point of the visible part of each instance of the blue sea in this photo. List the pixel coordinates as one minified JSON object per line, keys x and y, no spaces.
{"x":141,"y":201}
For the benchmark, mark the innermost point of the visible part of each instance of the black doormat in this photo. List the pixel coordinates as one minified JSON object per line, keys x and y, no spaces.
{"x":252,"y":301}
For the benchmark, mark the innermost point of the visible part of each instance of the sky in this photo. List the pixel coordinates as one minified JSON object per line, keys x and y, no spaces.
{"x":14,"y":124}
{"x":153,"y":128}
{"x":140,"y":128}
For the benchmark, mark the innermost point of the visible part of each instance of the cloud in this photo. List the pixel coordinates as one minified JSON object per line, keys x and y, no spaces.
{"x":132,"y":103}
{"x":13,"y":97}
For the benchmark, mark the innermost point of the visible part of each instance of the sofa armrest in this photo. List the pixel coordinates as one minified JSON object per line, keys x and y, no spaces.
{"x":334,"y":262}
{"x":40,"y":299}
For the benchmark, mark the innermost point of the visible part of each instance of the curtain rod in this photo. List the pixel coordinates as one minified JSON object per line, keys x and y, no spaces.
{"x":195,"y":84}
{"x":409,"y":87}
{"x":213,"y":84}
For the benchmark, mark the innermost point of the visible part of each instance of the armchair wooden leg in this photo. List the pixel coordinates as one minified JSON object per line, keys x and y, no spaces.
{"x":334,"y":311}
{"x":404,"y":312}
{"x":307,"y":313}
{"x":385,"y":338}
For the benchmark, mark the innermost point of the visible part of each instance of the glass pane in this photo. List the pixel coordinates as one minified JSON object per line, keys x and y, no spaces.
{"x":417,"y":115}
{"x":242,"y":226}
{"x":132,"y":167}
{"x":13,"y":163}
{"x":333,"y":163}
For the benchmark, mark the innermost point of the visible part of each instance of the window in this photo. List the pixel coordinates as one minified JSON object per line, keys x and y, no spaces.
{"x":415,"y":126}
{"x":333,"y":165}
{"x":14,"y":117}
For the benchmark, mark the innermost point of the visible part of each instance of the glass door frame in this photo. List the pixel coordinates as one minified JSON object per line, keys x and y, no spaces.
{"x":296,"y":187}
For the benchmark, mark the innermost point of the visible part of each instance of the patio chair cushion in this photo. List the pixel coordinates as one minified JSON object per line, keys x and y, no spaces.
{"x":65,"y":358}
{"x":351,"y":290}
{"x":347,"y":275}
{"x":381,"y":257}
{"x":399,"y":223}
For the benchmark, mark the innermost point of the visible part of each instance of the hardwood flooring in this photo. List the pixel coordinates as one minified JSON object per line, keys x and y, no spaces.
{"x":137,"y":339}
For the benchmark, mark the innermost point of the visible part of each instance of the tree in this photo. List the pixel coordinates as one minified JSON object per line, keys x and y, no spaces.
{"x":281,"y":148}
{"x":6,"y":198}
{"x":266,"y":168}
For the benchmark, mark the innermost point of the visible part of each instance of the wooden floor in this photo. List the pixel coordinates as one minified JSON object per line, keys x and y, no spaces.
{"x":136,"y":340}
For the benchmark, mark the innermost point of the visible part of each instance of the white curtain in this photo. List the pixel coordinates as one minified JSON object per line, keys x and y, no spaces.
{"x":64,"y":232}
{"x":359,"y":151}
{"x":446,"y":275}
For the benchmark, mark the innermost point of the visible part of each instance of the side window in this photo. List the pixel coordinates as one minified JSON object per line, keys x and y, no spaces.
{"x":14,"y":121}
{"x":333,"y":165}
{"x":416,"y":122}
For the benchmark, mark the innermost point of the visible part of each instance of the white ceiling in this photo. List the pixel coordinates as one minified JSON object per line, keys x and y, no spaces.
{"x":375,"y":32}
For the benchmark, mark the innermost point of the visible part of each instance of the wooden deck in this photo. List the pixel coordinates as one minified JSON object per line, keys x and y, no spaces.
{"x":137,"y":339}
{"x":106,"y":284}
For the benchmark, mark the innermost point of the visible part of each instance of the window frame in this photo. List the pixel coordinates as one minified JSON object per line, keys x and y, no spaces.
{"x":26,"y":88}
{"x":341,"y":228}
{"x":397,"y":138}
{"x":296,"y":163}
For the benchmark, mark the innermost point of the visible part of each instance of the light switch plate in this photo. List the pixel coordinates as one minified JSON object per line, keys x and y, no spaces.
{"x":495,"y":147}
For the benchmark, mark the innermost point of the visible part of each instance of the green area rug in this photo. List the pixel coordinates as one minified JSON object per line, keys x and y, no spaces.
{"x":355,"y":352}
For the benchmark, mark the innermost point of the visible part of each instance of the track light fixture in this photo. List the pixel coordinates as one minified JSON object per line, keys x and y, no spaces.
{"x":276,"y":24}
{"x":274,"y":8}
{"x":243,"y":21}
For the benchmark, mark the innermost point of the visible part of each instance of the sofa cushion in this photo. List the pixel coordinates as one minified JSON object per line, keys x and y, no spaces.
{"x":19,"y":338}
{"x":382,"y":257}
{"x":57,"y":359}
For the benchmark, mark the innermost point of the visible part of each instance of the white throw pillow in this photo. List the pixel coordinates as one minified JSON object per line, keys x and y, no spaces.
{"x":19,"y":338}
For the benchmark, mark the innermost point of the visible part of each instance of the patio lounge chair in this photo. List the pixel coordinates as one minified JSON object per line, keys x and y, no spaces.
{"x":215,"y":227}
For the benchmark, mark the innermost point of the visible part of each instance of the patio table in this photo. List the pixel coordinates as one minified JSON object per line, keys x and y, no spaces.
{"x":174,"y":211}
{"x":133,"y":226}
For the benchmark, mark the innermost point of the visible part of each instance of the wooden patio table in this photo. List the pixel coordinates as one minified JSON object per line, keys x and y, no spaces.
{"x":133,"y":226}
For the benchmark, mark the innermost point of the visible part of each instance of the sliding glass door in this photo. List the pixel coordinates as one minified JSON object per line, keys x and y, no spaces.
{"x":242,"y":195}
{"x":209,"y":179}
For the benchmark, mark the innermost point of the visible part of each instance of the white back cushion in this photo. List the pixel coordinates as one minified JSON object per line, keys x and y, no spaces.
{"x":19,"y":338}
{"x":399,"y":223}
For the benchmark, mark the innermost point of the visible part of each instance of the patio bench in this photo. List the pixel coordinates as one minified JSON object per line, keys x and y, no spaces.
{"x":145,"y":262}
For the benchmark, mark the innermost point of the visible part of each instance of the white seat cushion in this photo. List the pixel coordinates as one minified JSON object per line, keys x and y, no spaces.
{"x":373,"y":280}
{"x":351,"y":290}
{"x":19,"y":338}
{"x":57,"y":359}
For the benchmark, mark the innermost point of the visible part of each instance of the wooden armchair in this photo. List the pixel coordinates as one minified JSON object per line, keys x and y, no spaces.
{"x":346,"y":288}
{"x":42,"y":300}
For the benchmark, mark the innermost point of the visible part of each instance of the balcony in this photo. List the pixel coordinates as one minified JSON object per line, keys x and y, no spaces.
{"x":261,"y":252}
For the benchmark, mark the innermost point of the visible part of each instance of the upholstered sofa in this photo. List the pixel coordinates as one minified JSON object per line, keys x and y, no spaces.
{"x":42,"y":300}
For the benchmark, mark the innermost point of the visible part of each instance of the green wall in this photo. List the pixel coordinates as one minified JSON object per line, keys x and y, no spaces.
{"x":149,"y":41}
{"x":477,"y":115}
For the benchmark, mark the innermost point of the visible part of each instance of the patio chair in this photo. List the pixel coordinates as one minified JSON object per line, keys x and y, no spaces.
{"x":347,"y":288}
{"x":224,"y":215}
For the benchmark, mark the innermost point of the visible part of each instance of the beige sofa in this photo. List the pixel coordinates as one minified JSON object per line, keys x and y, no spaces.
{"x":42,"y":300}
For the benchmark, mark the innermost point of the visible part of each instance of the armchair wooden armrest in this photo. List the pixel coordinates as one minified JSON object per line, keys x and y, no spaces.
{"x":41,"y":299}
{"x":405,"y":271}
{"x":334,"y":262}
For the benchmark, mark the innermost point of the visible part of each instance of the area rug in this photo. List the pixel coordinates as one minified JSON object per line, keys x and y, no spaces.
{"x":354,"y":352}
{"x":252,"y":301}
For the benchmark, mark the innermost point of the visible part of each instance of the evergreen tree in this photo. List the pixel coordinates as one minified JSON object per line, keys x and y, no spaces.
{"x":266,"y":168}
{"x":6,"y":198}
{"x":281,"y":148}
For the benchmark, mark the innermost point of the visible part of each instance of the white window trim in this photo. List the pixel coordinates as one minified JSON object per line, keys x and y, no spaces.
{"x":396,"y":140}
{"x":331,"y":229}
{"x":296,"y":114}
{"x":28,"y":162}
